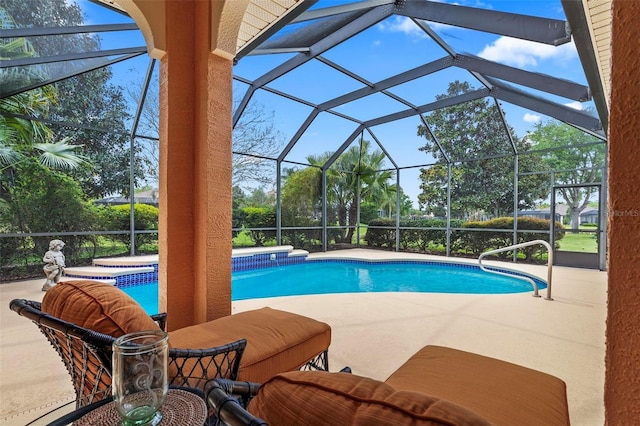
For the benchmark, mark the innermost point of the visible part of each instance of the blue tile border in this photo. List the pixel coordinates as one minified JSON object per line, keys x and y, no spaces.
{"x":541,"y":283}
{"x":265,"y":260}
{"x":243,"y":263}
{"x":128,"y":280}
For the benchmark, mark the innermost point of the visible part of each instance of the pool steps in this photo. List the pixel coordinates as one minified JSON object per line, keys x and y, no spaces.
{"x":133,"y":270}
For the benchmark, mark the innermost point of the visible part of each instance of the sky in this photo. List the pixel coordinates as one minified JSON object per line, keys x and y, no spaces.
{"x":392,"y":46}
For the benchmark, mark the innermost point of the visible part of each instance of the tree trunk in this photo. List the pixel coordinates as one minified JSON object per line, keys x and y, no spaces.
{"x":575,"y":218}
{"x":342,"y":221}
{"x":353,"y":213}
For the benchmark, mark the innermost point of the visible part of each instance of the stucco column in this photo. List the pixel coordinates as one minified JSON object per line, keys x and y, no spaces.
{"x":195,"y":170}
{"x":622,"y":379}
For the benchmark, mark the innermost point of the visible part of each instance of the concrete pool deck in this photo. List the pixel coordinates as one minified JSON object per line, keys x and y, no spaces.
{"x":374,"y":333}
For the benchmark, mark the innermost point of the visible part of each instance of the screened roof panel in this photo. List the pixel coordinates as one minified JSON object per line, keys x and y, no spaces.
{"x":306,"y":34}
{"x":253,"y":66}
{"x":549,"y":105}
{"x":382,"y":50}
{"x":376,"y":47}
{"x":370,"y":107}
{"x":424,"y":90}
{"x":286,"y":115}
{"x":400,"y":139}
{"x":316,"y":141}
{"x":20,"y":77}
{"x":326,"y":82}
{"x":239,"y":90}
{"x":462,"y":138}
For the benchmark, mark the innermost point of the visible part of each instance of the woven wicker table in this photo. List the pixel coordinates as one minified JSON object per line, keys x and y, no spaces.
{"x":181,"y":407}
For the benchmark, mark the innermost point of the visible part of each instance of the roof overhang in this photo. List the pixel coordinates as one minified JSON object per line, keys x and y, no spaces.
{"x":261,"y":19}
{"x":590,"y":22}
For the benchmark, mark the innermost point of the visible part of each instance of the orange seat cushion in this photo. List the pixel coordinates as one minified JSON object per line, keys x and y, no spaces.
{"x":318,"y":398}
{"x":277,"y":341}
{"x":501,"y":392}
{"x":97,"y":306}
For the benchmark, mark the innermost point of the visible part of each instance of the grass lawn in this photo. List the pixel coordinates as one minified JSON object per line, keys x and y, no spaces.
{"x":580,"y":242}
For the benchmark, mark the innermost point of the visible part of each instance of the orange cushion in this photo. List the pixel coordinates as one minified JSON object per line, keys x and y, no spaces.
{"x":97,"y":306}
{"x":501,"y":392}
{"x":277,"y":341}
{"x":306,"y":398}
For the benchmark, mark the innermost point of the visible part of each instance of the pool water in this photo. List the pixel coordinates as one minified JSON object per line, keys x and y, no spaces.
{"x":313,"y":277}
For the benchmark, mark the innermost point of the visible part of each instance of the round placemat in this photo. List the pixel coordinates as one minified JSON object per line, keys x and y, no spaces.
{"x":180,"y":408}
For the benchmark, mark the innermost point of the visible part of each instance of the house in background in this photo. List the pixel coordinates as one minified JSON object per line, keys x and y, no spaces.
{"x":149,"y":197}
{"x":589,"y":215}
{"x":561,"y":213}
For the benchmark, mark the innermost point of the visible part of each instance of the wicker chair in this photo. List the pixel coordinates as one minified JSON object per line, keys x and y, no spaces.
{"x":87,"y":355}
{"x":228,"y":399}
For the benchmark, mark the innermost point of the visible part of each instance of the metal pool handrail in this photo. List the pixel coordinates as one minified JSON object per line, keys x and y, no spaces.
{"x":517,"y":246}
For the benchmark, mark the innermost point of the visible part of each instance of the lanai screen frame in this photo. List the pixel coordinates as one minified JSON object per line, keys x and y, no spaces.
{"x":343,"y":22}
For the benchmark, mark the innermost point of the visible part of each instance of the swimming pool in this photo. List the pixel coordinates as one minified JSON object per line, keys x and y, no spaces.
{"x":358,"y":276}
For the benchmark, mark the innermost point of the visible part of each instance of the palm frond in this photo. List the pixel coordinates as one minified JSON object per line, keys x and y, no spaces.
{"x":7,"y":154}
{"x":60,"y":155}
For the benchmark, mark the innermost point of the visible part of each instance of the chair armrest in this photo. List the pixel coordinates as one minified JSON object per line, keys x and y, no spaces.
{"x":228,"y":398}
{"x":194,"y":367}
{"x":161,"y":320}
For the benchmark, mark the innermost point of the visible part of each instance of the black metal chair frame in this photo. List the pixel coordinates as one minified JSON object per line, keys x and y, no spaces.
{"x":228,"y":399}
{"x":87,"y":355}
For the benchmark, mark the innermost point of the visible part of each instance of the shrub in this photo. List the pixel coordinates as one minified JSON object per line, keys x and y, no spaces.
{"x":260,"y":217}
{"x":44,"y":200}
{"x":418,"y":233}
{"x":478,"y":240}
{"x":303,"y":238}
{"x":378,"y":237}
{"x":117,"y":218}
{"x":474,"y":238}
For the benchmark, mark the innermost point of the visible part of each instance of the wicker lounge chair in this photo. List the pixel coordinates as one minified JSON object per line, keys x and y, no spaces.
{"x":436,"y":386}
{"x":81,"y":319}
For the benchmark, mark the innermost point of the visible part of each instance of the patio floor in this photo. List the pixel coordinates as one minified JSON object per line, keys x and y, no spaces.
{"x":374,"y":333}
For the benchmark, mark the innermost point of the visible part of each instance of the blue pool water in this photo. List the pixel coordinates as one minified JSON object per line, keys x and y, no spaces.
{"x":315,"y":277}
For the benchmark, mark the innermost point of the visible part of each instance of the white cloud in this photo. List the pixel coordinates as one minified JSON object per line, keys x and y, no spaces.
{"x":401,"y":24}
{"x":524,"y":53}
{"x":575,"y":105}
{"x":531,"y":118}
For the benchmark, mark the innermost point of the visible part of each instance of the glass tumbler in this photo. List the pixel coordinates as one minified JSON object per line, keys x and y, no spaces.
{"x":140,"y":376}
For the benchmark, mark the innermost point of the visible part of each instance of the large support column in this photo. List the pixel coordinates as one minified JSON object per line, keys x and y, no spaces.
{"x":195,"y":170}
{"x":622,"y":380}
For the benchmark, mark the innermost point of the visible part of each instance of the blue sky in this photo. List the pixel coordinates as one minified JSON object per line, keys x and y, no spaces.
{"x":392,"y":46}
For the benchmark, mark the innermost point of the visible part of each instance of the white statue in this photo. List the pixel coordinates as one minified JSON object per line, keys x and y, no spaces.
{"x":54,"y":264}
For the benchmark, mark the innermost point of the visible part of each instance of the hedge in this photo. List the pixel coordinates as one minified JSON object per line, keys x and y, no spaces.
{"x":259,"y":217}
{"x":117,"y":218}
{"x":478,"y":241}
{"x":419,"y":238}
{"x":381,"y":233}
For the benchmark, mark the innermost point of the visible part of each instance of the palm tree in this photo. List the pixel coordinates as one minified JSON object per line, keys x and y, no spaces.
{"x":343,"y":183}
{"x":20,"y":137}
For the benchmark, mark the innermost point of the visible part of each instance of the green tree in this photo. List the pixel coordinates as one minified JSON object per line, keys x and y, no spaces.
{"x":342,"y":182}
{"x":470,"y":134}
{"x":45,"y":200}
{"x":87,"y":99}
{"x":301,"y":198}
{"x":117,"y":218}
{"x":261,"y":198}
{"x":21,"y":139}
{"x":578,"y":162}
{"x":260,"y":217}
